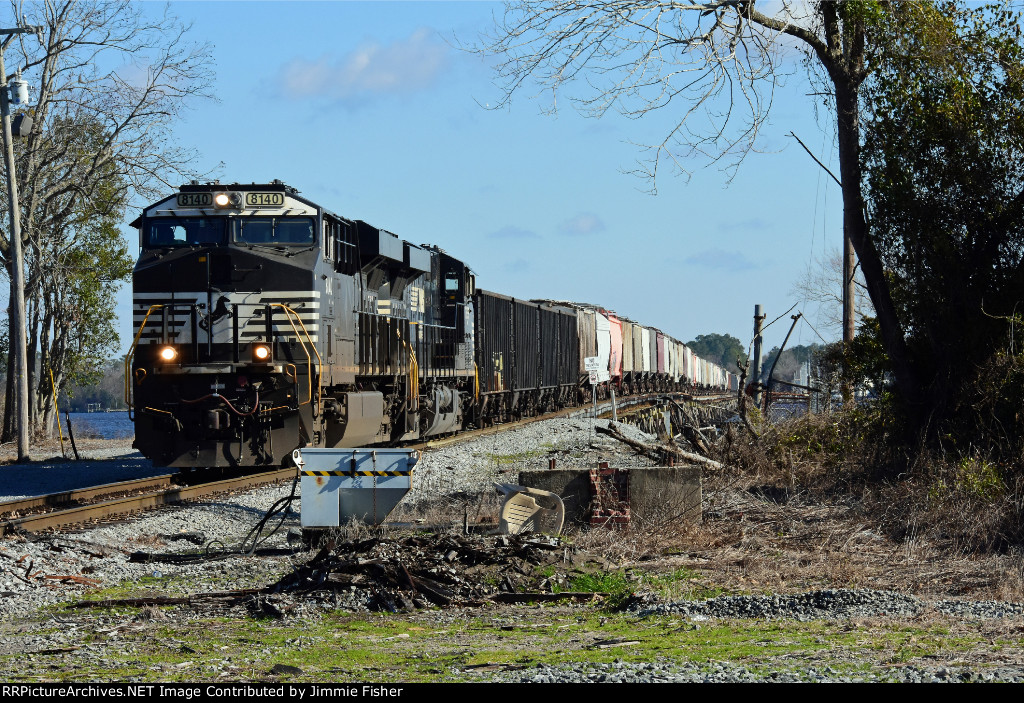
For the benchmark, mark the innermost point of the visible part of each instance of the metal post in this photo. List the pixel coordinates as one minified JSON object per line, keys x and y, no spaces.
{"x":755,"y":377}
{"x":17,"y":260}
{"x":615,"y":414}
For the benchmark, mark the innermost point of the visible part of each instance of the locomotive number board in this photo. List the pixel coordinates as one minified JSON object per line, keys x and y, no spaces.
{"x":195,"y":199}
{"x":264,"y":199}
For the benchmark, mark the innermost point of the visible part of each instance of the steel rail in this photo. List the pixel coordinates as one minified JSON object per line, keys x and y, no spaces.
{"x":124,"y":506}
{"x":53,"y":500}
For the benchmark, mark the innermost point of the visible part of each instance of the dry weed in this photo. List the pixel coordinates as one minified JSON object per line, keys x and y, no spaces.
{"x":452,"y":511}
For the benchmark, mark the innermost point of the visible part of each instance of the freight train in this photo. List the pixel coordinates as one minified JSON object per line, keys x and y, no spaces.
{"x":264,"y":322}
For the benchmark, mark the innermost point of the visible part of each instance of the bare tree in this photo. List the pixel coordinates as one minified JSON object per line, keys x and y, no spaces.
{"x":710,"y":64}
{"x":111,"y":79}
{"x":822,"y":284}
{"x":715,"y":65}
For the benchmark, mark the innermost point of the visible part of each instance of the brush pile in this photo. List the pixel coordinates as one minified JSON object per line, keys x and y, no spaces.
{"x":419,"y":571}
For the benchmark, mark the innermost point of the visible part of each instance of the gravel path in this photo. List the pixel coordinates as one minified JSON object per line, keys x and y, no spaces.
{"x":475,"y":465}
{"x":831,"y":603}
{"x":724,"y":672}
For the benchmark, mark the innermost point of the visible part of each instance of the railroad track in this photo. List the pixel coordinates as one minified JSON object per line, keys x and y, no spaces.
{"x":81,"y":506}
{"x":164,"y":495}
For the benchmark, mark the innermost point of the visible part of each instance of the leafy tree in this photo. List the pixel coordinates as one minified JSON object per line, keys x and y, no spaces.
{"x":107,"y":390}
{"x":863,"y":366}
{"x":943,"y":164}
{"x":721,"y":349}
{"x":100,"y":137}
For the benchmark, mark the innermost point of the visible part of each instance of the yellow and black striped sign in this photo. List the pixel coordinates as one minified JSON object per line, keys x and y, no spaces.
{"x":357,"y":473}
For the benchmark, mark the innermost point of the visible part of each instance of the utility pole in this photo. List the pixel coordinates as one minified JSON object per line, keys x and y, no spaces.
{"x":17,"y":257}
{"x":756,"y":375}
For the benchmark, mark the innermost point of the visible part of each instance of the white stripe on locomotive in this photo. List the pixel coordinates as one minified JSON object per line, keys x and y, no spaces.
{"x":251,"y":307}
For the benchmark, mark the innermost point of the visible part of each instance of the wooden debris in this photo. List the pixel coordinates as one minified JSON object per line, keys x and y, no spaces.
{"x":656,"y":452}
{"x":54,"y":650}
{"x":583,"y":597}
{"x":608,"y":644}
{"x":428,"y":570}
{"x":398,"y":575}
{"x":691,"y":430}
{"x":131,"y":602}
{"x":75,"y":579}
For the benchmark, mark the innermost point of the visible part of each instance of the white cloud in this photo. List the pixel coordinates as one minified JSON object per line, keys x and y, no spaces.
{"x":584,"y":224}
{"x":373,"y":69}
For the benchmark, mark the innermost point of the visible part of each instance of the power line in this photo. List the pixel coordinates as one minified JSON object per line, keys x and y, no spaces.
{"x":804,"y":318}
{"x":780,"y":317}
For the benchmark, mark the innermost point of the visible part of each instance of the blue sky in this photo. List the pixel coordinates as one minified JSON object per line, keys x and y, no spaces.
{"x":366,"y":108}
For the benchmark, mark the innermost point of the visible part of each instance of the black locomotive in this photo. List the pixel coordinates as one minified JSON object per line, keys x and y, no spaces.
{"x":264,"y":322}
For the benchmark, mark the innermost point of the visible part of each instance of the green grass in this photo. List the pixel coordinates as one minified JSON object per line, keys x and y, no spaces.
{"x":343,"y":647}
{"x":620,"y":585}
{"x":519,"y":457}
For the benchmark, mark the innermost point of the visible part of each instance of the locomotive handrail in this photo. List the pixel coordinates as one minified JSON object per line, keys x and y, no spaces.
{"x":309,"y":360}
{"x":130,"y":354}
{"x":414,"y":376}
{"x":414,"y":372}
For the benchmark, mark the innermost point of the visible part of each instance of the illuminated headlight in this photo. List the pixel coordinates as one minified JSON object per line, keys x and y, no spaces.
{"x":227,"y":200}
{"x":168,"y":354}
{"x":261,"y":353}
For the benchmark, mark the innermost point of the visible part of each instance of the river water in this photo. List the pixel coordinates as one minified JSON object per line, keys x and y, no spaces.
{"x":112,"y":425}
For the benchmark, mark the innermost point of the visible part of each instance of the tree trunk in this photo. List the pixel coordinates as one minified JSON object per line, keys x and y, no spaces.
{"x":904,"y":374}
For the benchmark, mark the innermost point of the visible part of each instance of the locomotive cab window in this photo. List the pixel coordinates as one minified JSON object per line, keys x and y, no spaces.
{"x":273,"y":230}
{"x":183,"y":231}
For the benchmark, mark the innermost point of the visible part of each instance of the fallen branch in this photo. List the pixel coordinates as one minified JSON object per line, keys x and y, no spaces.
{"x":656,"y":453}
{"x":168,"y":600}
{"x":75,"y":579}
{"x":583,"y":597}
{"x":691,"y":429}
